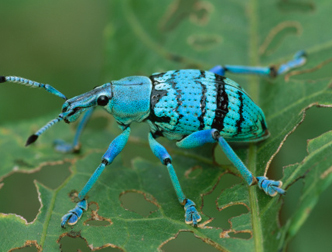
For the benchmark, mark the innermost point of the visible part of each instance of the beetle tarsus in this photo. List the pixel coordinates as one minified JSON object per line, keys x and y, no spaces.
{"x":270,"y":187}
{"x":191,"y":216}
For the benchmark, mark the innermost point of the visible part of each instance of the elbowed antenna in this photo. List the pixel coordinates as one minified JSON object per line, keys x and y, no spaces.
{"x":35,"y":136}
{"x":34,"y":84}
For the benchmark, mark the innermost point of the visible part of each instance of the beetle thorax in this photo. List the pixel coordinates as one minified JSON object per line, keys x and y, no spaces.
{"x":130,"y":99}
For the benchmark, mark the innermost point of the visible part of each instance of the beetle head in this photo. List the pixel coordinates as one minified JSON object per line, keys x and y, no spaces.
{"x":75,"y":106}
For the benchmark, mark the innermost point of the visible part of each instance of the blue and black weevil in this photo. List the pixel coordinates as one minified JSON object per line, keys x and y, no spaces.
{"x":190,"y":106}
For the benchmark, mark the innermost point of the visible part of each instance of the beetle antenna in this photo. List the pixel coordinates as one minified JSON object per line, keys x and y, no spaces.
{"x":35,"y":136}
{"x":30,"y":83}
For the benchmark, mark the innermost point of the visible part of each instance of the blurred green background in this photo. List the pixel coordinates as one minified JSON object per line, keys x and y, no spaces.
{"x":62,"y":43}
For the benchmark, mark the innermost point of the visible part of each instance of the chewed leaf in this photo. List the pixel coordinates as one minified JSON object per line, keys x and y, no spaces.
{"x":143,"y":37}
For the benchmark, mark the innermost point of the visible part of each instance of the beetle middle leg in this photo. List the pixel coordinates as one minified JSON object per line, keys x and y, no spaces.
{"x":298,"y":60}
{"x":191,"y":214}
{"x":270,"y":187}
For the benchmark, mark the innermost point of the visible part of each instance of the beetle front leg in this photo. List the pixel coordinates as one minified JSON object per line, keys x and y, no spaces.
{"x":270,"y":187}
{"x":65,"y":147}
{"x":113,"y":150}
{"x":191,"y":214}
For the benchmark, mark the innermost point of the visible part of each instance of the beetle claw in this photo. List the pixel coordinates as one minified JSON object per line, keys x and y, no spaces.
{"x":270,"y":187}
{"x":191,"y":215}
{"x":74,"y":214}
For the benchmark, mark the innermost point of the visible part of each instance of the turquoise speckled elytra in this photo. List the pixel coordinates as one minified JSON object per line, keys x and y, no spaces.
{"x":192,"y":107}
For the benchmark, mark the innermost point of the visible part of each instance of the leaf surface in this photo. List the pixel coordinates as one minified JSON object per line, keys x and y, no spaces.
{"x":147,"y":36}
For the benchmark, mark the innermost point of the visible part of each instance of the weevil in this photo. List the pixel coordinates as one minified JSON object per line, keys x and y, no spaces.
{"x":190,"y":106}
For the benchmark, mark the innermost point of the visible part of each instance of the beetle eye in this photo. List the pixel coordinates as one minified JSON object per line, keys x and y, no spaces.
{"x":102,"y":100}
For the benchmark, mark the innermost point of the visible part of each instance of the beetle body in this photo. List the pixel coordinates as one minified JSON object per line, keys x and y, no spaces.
{"x":178,"y":103}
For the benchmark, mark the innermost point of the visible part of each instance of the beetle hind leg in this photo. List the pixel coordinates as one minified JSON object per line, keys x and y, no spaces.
{"x":270,"y":187}
{"x":199,"y":138}
{"x":298,"y":60}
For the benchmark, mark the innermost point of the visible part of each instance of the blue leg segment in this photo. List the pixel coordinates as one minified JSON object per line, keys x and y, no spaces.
{"x":65,"y":147}
{"x":298,"y":60}
{"x":270,"y":187}
{"x":113,"y":150}
{"x":191,"y":214}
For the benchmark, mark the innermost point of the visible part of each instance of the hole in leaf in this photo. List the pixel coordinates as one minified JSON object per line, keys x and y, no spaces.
{"x":96,"y":219}
{"x":187,"y":242}
{"x":74,"y":242}
{"x":138,"y":202}
{"x":240,"y":235}
{"x":19,"y":194}
{"x":293,"y":5}
{"x":29,"y":246}
{"x":224,"y":216}
{"x":220,"y":218}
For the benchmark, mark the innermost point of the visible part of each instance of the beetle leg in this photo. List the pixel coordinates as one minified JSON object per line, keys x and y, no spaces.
{"x":298,"y":60}
{"x":270,"y":187}
{"x":113,"y":150}
{"x":65,"y":147}
{"x":191,"y":214}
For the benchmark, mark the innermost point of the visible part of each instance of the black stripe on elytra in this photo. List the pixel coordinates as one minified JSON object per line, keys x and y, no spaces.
{"x":219,"y":78}
{"x":202,"y":106}
{"x":202,"y":75}
{"x":222,"y":105}
{"x":155,"y":97}
{"x":178,"y":96}
{"x":241,"y":119}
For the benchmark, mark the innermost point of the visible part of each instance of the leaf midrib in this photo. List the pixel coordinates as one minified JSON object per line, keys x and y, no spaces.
{"x":254,"y":92}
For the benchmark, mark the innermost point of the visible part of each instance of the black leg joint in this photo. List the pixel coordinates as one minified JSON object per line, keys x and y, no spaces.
{"x":105,"y":162}
{"x":273,"y":72}
{"x":167,"y":161}
{"x":2,"y":79}
{"x":216,"y":135}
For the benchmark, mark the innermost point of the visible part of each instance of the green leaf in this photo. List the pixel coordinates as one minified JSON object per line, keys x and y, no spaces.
{"x":148,"y":36}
